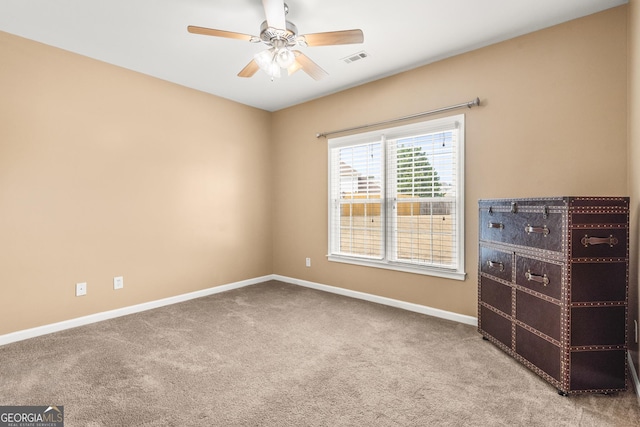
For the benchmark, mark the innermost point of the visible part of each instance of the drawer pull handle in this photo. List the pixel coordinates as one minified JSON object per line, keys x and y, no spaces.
{"x":542,"y":230}
{"x":496,"y":225}
{"x":495,"y":264}
{"x":611,"y":241}
{"x":536,"y":278}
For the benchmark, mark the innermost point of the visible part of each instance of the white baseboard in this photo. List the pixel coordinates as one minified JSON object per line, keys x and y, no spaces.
{"x":417,"y":308}
{"x":634,"y":376}
{"x":105,"y":315}
{"x":423,"y":309}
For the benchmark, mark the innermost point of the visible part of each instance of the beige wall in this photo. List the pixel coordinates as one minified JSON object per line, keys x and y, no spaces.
{"x":552,"y":122}
{"x":106,"y":172}
{"x":634,"y":173}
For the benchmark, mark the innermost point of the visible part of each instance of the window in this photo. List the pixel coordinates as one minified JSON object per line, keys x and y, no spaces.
{"x":396,"y":198}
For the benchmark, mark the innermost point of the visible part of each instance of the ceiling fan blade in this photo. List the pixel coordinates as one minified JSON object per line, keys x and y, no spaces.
{"x":294,"y":67}
{"x":334,"y":37}
{"x":219,"y":33}
{"x":310,"y":67}
{"x":274,"y":10}
{"x":250,"y":69}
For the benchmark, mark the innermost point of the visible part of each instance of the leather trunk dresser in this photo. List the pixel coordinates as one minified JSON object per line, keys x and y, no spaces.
{"x":553,"y":278}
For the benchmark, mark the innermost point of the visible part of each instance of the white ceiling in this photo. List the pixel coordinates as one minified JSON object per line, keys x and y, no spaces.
{"x":150,"y":36}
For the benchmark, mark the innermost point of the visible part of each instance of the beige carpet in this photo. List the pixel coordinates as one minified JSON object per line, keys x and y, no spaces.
{"x":276,"y":354}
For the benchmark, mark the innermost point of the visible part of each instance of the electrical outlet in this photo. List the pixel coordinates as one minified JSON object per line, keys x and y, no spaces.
{"x":308,"y":262}
{"x":118,"y":282}
{"x":81,"y":289}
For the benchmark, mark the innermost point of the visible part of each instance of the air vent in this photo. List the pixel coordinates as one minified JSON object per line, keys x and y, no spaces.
{"x":355,"y":57}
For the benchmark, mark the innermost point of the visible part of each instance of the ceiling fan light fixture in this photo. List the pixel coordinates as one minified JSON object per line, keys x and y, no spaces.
{"x":266,"y":60}
{"x":285,"y":57}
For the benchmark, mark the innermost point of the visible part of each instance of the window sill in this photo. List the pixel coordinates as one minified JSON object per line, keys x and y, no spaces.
{"x":427,"y":271}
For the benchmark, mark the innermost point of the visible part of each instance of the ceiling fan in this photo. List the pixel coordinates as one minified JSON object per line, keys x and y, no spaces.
{"x":281,"y":36}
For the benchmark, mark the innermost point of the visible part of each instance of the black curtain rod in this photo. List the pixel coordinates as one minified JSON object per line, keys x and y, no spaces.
{"x":474,"y":103}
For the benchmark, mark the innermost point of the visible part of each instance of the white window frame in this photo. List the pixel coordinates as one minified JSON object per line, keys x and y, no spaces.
{"x":430,"y":126}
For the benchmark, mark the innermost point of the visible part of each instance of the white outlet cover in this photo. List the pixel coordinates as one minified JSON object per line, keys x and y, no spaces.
{"x":81,"y":289}
{"x":118,"y":282}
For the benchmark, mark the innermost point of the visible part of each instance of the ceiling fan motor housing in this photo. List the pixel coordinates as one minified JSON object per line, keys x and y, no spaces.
{"x":287,"y":37}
